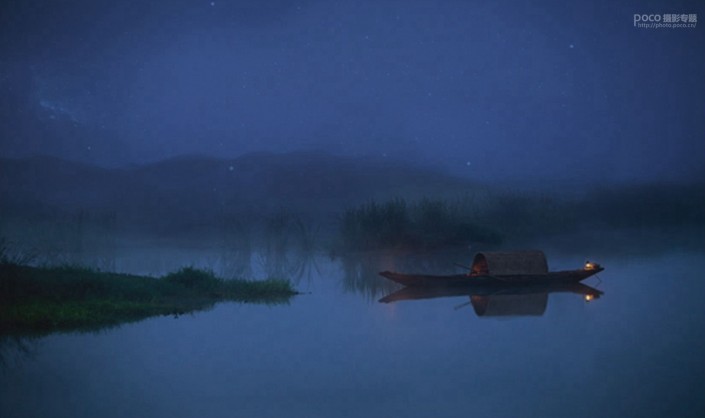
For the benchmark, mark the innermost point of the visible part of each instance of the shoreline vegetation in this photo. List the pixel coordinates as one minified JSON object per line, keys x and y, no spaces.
{"x":427,"y":224}
{"x":436,"y":223}
{"x":38,"y":300}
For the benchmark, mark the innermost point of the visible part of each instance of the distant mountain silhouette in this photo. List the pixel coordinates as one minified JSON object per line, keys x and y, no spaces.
{"x":198,"y":189}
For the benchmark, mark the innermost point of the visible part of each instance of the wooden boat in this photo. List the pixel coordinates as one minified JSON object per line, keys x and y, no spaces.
{"x":567,"y":276}
{"x":500,"y":269}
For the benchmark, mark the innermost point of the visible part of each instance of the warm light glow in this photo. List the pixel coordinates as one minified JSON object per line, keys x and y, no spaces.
{"x":589,"y":266}
{"x":588,"y":298}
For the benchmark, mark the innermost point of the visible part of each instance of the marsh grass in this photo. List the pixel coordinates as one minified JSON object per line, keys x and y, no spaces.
{"x":513,"y":216}
{"x":426,"y":224}
{"x":47,"y":299}
{"x":9,"y":254}
{"x":74,"y":237}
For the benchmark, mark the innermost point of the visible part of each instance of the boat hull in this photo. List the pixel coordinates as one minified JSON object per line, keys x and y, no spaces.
{"x":432,"y":292}
{"x":422,"y":280}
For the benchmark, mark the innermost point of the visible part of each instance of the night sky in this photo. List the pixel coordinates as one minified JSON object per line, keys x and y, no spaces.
{"x":489,"y":90}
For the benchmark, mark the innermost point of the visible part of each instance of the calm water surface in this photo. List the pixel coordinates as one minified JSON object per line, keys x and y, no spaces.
{"x":337,"y":352}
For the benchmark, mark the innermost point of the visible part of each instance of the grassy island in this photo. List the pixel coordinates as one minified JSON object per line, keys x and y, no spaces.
{"x":48,"y":299}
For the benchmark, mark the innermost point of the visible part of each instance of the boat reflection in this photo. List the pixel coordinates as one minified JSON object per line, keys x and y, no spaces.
{"x":527,"y":300}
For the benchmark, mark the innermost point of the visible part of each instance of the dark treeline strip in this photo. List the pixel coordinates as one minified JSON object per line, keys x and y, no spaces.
{"x":437,"y":223}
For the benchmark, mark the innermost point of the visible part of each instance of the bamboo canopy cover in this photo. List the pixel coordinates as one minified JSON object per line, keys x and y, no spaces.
{"x":510,"y":263}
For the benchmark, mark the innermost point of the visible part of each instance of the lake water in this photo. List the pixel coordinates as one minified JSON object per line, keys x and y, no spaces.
{"x":336,"y":351}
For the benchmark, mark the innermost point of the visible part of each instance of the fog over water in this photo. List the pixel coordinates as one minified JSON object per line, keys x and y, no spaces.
{"x":508,"y":90}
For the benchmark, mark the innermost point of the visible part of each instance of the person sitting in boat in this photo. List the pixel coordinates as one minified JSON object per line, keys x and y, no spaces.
{"x":480,"y":267}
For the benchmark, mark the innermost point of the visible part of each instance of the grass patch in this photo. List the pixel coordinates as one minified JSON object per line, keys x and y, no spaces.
{"x":426,"y":224}
{"x":48,"y":299}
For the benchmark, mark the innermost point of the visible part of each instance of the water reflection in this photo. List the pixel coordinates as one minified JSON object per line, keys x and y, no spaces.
{"x":235,"y":249}
{"x":14,"y":350}
{"x":491,"y":301}
{"x":361,"y":270}
{"x":510,"y":305}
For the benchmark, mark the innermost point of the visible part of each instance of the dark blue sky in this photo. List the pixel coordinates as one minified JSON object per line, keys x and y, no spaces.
{"x":492,"y":90}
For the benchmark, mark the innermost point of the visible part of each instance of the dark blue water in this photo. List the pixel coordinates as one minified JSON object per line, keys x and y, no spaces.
{"x":636,"y":351}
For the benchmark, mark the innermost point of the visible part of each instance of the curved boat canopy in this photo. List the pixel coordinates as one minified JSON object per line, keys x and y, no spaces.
{"x":509,"y":263}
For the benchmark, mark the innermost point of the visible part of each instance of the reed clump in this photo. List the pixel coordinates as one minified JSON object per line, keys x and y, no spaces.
{"x":426,"y":224}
